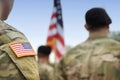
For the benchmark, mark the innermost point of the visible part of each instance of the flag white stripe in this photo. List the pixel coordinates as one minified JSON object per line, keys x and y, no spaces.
{"x":52,"y":32}
{"x":60,"y":30}
{"x":60,"y":47}
{"x":53,"y":21}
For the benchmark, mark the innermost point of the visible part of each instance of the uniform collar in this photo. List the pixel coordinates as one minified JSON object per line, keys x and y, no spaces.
{"x":94,"y":37}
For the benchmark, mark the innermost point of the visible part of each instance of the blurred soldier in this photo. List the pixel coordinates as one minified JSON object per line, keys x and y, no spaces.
{"x":17,"y":58}
{"x":46,"y":71}
{"x":98,"y":58}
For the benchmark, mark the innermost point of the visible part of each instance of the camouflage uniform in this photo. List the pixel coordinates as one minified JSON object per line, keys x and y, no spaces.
{"x":11,"y":66}
{"x":48,"y":72}
{"x":98,"y":58}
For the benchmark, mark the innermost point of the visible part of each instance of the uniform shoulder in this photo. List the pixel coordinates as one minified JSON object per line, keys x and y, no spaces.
{"x":107,"y":41}
{"x":112,"y":43}
{"x":45,"y":67}
{"x":76,"y":52}
{"x":79,"y":49}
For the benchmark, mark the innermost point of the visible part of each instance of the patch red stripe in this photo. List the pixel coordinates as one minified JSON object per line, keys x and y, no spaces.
{"x":22,"y":49}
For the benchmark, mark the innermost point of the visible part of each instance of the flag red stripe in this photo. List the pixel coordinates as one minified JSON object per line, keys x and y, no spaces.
{"x":58,"y":54}
{"x":52,"y":26}
{"x":51,"y":37}
{"x":54,"y":15}
{"x":60,"y":38}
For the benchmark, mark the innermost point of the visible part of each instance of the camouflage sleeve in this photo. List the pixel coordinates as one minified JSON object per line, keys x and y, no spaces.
{"x":109,"y":70}
{"x":7,"y":69}
{"x":15,"y":68}
{"x":112,"y":70}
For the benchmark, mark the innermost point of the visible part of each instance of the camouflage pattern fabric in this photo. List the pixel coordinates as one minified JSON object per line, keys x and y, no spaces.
{"x":48,"y":72}
{"x":12,"y":67}
{"x":98,"y":58}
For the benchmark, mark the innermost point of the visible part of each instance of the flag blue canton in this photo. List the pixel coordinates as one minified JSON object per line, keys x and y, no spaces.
{"x":57,"y":4}
{"x":26,"y":46}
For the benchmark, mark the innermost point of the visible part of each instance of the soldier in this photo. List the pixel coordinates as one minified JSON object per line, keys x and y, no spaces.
{"x":46,"y":71}
{"x":98,"y":58}
{"x":17,"y":58}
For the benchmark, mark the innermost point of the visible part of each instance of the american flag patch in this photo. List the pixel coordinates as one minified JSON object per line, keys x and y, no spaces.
{"x":22,"y":49}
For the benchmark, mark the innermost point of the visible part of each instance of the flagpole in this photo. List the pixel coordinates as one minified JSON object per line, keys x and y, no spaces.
{"x":55,"y":63}
{"x":55,"y":50}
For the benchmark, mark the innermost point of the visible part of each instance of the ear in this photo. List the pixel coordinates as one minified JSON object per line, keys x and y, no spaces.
{"x":108,"y":26}
{"x":86,"y":27}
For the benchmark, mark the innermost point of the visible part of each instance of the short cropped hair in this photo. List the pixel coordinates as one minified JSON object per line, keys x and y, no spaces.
{"x":97,"y":18}
{"x":43,"y":50}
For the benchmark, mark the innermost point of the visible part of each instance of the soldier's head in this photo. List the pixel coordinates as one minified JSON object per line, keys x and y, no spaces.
{"x":5,"y":8}
{"x":43,"y":53}
{"x":97,"y":18}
